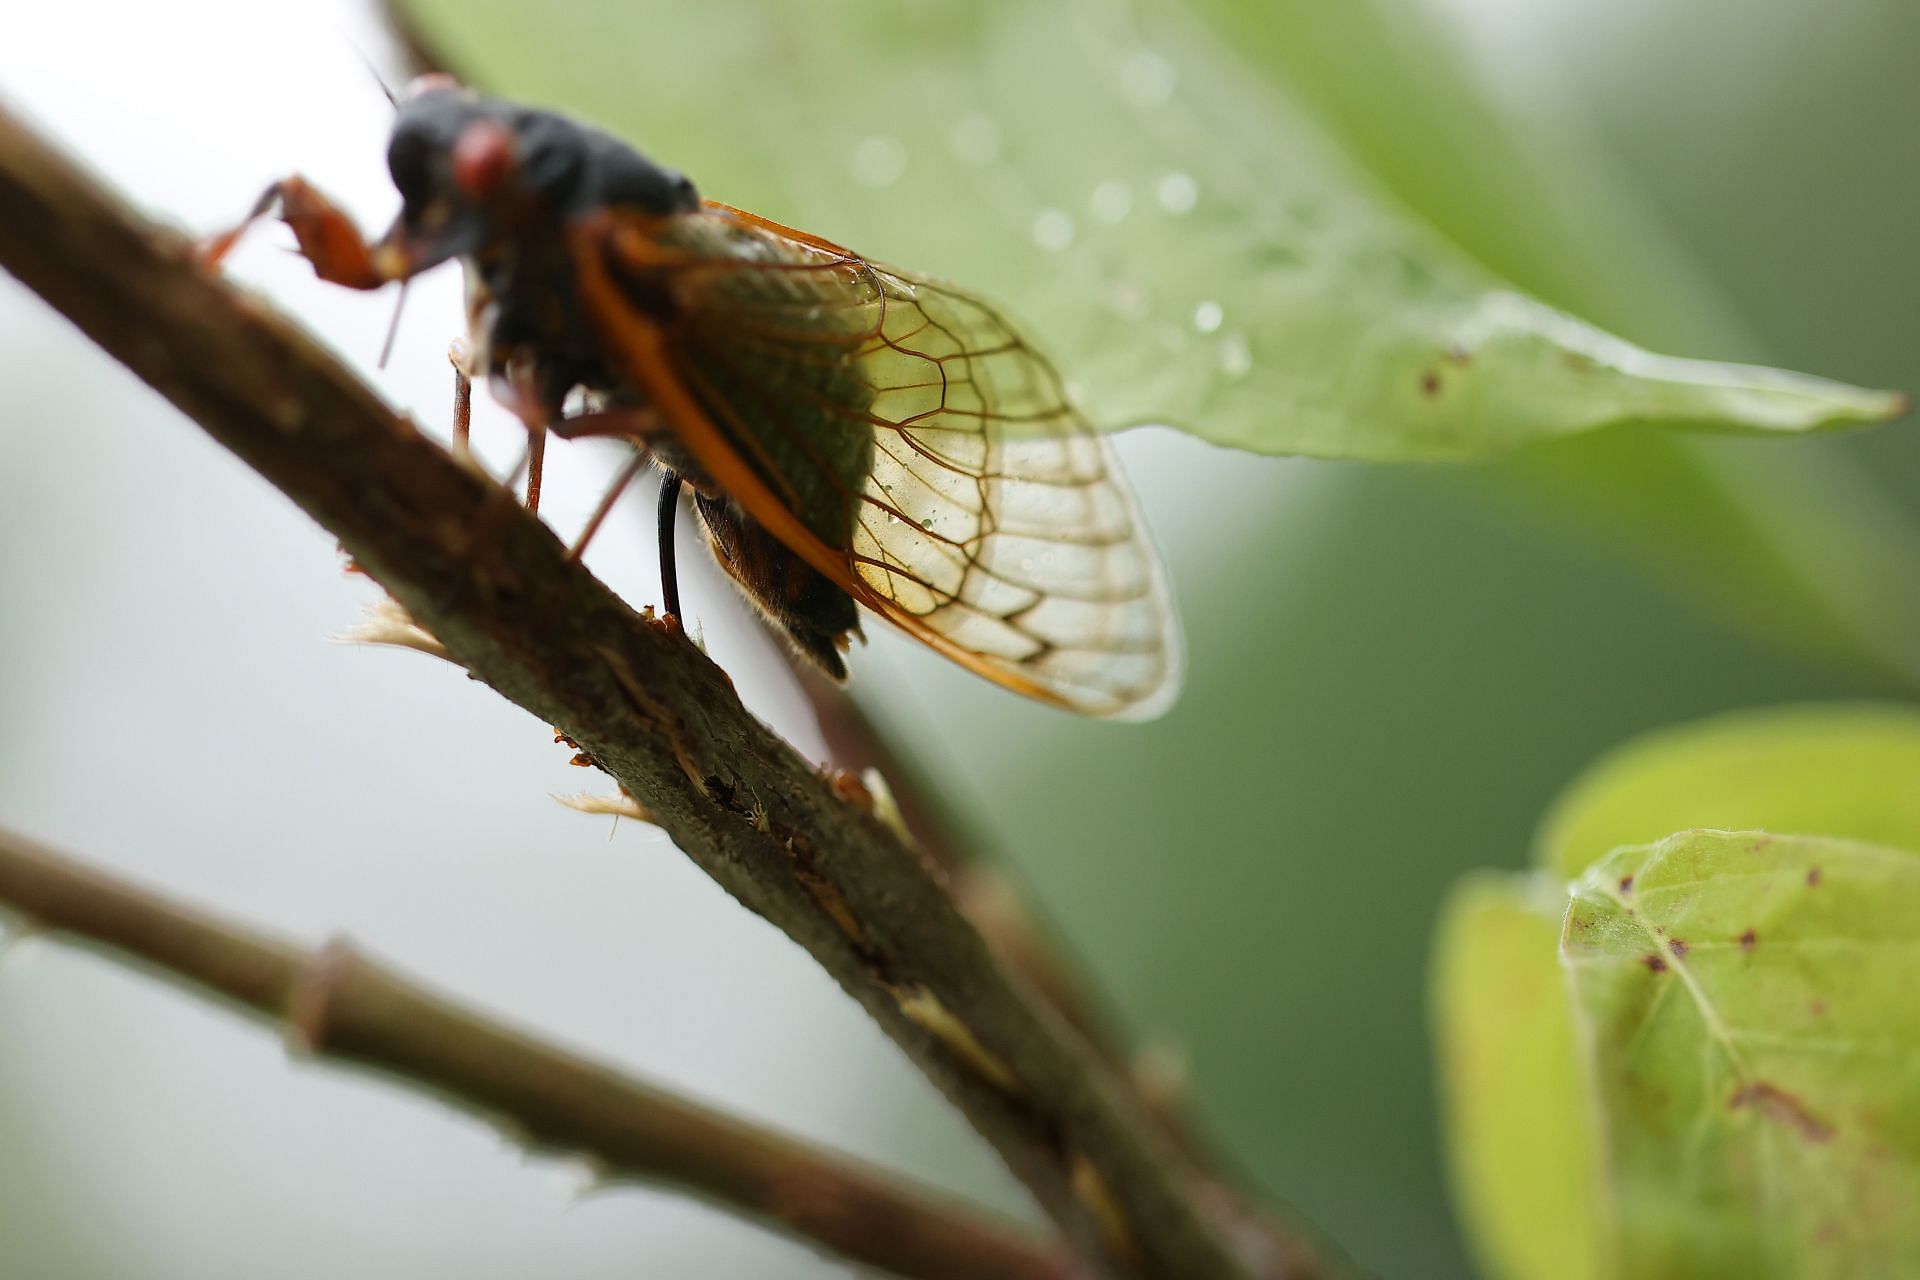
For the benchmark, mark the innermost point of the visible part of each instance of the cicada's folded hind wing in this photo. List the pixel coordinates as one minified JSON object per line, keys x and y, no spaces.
{"x":901,"y":437}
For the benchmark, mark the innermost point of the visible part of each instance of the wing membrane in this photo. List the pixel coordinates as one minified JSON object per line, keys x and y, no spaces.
{"x":904,"y":439}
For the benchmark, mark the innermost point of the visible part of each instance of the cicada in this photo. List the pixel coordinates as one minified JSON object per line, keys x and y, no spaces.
{"x":853,"y":435}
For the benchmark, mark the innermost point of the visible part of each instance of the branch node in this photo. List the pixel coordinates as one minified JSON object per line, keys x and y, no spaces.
{"x":311,"y":995}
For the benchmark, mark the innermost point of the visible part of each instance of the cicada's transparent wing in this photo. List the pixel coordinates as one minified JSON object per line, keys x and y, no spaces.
{"x":907,"y":442}
{"x":994,"y":515}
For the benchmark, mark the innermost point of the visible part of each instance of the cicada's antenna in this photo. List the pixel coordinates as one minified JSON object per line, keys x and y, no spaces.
{"x":393,"y":325}
{"x":366,"y":60}
{"x":393,"y":100}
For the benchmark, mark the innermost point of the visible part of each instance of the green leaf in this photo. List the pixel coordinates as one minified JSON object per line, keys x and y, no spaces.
{"x":1155,"y":210}
{"x":1520,"y":1141}
{"x":1848,"y":771}
{"x":1801,"y":546}
{"x":1746,"y":1006}
{"x":1738,"y":1001}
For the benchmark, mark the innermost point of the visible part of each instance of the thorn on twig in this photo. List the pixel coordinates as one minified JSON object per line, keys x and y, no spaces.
{"x":581,"y":759}
{"x":16,"y":931}
{"x":619,"y":805}
{"x":849,"y":788}
{"x":886,"y":806}
{"x":598,"y":1179}
{"x":386,"y":623}
{"x":990,"y":900}
{"x":1093,"y":1192}
{"x":1161,"y":1073}
{"x":827,"y":896}
{"x":925,"y":1010}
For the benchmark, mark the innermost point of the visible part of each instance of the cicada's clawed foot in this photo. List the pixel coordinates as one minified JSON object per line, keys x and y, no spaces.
{"x":326,"y":236}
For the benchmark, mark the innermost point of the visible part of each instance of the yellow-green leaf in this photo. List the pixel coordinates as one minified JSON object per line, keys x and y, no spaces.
{"x":1851,"y":771}
{"x":1519,"y":1130}
{"x":1745,"y":1002}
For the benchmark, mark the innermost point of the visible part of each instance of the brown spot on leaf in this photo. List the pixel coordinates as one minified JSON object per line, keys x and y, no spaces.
{"x":1654,"y":961}
{"x":1430,"y":383}
{"x":1818,"y":1008}
{"x":1748,"y":939}
{"x":1679,"y":947}
{"x":1781,"y":1107}
{"x":1626,"y":884}
{"x":1813,"y":878}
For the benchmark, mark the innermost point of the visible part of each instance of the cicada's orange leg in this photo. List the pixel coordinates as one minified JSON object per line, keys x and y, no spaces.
{"x":462,"y":400}
{"x":636,"y":425}
{"x":536,"y":461}
{"x":605,"y":507}
{"x":517,"y":388}
{"x":326,"y":236}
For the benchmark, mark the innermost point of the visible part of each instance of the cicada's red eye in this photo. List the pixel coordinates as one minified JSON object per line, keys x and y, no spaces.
{"x":483,"y":159}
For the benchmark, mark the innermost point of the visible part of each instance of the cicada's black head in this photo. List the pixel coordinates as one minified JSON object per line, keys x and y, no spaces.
{"x":474,"y":171}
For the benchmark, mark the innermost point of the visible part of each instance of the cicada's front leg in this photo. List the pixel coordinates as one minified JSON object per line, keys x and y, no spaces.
{"x":457,"y":356}
{"x":327,"y":237}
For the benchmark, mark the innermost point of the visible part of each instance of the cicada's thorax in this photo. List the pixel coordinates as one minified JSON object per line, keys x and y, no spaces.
{"x":530,"y":336}
{"x":526,"y":331}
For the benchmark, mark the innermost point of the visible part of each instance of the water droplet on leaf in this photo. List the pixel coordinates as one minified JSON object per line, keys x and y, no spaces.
{"x":879,"y":162}
{"x":976,"y":139}
{"x":1147,"y":78}
{"x":1178,"y":193}
{"x":1053,"y":229}
{"x":1112,"y":200}
{"x":1236,"y":356}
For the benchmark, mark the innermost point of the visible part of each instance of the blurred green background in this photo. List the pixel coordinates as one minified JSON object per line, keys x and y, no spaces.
{"x":1392,"y":673}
